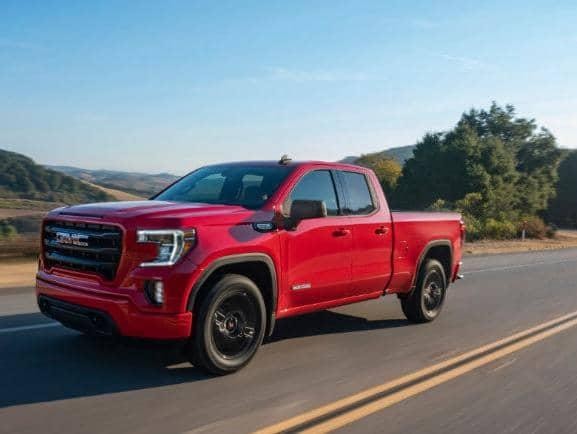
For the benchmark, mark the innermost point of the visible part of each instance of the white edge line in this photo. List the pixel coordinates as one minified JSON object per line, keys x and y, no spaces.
{"x":512,"y":267}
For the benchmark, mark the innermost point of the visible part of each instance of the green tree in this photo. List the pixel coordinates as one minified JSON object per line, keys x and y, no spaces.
{"x":387,"y":169}
{"x":534,"y":150}
{"x":505,"y":160}
{"x":563,"y":209}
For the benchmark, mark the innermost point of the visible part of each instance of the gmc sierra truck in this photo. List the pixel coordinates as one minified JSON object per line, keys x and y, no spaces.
{"x":222,"y":253}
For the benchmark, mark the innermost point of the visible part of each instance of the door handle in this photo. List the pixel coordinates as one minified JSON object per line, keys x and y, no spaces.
{"x":341,"y":232}
{"x":381,"y":230}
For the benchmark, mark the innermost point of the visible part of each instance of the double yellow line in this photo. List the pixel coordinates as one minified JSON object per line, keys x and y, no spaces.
{"x":352,"y":408}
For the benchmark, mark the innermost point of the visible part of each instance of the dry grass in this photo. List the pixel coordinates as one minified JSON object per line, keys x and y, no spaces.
{"x":28,"y":204}
{"x":563,"y":240}
{"x":27,"y":245}
{"x":117,"y":194}
{"x":10,"y":213}
{"x":17,"y":273}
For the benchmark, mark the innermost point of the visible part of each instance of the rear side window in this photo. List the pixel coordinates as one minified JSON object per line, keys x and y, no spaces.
{"x":317,"y":185}
{"x":358,"y":193}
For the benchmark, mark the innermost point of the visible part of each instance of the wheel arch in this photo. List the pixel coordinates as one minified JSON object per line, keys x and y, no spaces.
{"x":441,"y":250}
{"x":259,"y":267}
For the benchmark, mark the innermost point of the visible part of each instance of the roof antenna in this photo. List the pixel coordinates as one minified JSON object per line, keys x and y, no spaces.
{"x":284,"y":160}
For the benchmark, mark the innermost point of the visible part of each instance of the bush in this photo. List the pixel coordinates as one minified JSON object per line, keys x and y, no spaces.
{"x":499,"y":230}
{"x":534,"y":227}
{"x":26,"y":224}
{"x":472,"y":204}
{"x":551,"y":231}
{"x":503,"y":229}
{"x":474,"y":229}
{"x":7,"y":231}
{"x":439,"y":205}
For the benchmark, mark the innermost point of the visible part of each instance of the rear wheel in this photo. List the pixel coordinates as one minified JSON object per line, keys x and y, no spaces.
{"x":230,"y":326}
{"x":426,"y":301}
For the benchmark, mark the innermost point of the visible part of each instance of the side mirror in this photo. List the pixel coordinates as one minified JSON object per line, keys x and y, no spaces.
{"x":306,"y":209}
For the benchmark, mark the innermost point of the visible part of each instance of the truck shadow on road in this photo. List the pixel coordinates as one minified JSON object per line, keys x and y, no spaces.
{"x":54,"y":363}
{"x":327,"y":322}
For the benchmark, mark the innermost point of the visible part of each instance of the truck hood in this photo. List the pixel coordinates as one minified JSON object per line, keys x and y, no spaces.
{"x":148,"y":209}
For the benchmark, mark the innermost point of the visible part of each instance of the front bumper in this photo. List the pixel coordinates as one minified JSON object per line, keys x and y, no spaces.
{"x":77,"y":317}
{"x":108,"y":313}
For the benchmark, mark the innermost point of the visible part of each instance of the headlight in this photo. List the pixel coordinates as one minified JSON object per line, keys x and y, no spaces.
{"x":172,"y":244}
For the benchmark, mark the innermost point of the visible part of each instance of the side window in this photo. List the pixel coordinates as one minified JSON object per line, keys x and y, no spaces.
{"x":360,"y":200}
{"x":317,"y":185}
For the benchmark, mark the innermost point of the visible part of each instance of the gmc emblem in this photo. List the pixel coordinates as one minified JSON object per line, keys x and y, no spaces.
{"x":72,"y":239}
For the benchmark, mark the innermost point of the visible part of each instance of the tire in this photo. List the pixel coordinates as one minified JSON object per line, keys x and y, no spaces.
{"x":229,"y":326}
{"x":426,"y":301}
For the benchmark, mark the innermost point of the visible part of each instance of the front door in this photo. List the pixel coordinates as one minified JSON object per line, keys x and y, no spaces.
{"x":317,"y":254}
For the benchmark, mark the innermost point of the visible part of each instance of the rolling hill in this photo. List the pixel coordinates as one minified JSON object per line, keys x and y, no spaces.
{"x":134,"y":183}
{"x":21,"y":178}
{"x":400,"y":153}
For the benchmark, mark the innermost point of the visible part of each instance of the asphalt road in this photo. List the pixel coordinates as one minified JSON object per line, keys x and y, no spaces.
{"x":53,"y":380}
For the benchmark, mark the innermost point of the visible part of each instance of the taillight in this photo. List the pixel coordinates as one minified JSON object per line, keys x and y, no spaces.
{"x":463,"y":232}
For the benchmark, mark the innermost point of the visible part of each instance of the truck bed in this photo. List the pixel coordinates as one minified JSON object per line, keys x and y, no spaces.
{"x":413,"y":232}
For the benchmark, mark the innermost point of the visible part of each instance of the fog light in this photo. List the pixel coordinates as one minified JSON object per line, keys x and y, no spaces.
{"x":154,"y":290}
{"x":159,"y":292}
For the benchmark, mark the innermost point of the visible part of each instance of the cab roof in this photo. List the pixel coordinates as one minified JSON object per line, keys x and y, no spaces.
{"x":304,"y":163}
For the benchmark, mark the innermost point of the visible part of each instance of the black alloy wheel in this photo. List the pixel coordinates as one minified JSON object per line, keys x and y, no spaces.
{"x":229,"y":326}
{"x":426,"y":301}
{"x":234,"y":324}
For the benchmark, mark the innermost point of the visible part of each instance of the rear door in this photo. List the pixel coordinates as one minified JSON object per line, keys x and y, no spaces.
{"x":372,"y":233}
{"x":317,"y":253}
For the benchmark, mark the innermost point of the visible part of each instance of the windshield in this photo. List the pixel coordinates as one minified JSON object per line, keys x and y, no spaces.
{"x":247,"y":186}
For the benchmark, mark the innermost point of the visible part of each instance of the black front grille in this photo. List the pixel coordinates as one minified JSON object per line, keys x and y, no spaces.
{"x":80,"y":246}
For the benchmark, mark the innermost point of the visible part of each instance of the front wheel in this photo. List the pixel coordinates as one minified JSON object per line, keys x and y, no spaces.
{"x":426,"y":301}
{"x":230,"y":326}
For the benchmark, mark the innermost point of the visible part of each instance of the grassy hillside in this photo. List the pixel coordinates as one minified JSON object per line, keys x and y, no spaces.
{"x":400,"y":153}
{"x":22,"y":178}
{"x":137,"y":184}
{"x":117,"y":194}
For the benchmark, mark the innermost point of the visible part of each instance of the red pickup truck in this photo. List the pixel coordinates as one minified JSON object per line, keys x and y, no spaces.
{"x":222,"y":253}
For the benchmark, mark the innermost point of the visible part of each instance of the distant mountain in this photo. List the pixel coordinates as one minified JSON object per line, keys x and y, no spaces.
{"x":22,"y":178}
{"x":138,"y":184}
{"x":401,"y":154}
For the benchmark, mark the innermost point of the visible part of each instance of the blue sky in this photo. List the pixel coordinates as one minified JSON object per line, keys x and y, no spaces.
{"x":170,"y":85}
